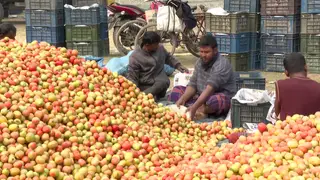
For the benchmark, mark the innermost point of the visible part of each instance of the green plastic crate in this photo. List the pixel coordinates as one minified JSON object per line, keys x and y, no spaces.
{"x":313,"y":62}
{"x":83,"y":32}
{"x":310,"y":43}
{"x":93,"y":48}
{"x":254,"y":22}
{"x":239,"y":61}
{"x":232,"y":23}
{"x":310,"y":23}
{"x":243,"y":113}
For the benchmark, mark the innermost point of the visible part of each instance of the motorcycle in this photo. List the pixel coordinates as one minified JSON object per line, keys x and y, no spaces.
{"x":119,"y":14}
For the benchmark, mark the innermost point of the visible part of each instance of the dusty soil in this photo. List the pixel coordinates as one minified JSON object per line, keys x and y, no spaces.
{"x":185,"y":58}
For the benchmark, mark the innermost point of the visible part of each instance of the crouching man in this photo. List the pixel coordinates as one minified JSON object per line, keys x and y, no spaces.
{"x":212,"y":84}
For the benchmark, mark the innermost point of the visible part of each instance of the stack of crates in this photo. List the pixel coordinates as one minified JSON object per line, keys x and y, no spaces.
{"x":253,"y":8}
{"x":233,"y":37}
{"x":280,"y":30}
{"x":45,"y":21}
{"x":310,"y":34}
{"x":86,"y":27}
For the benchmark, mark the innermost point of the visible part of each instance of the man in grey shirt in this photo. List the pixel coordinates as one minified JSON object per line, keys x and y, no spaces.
{"x":212,"y":84}
{"x":146,"y":66}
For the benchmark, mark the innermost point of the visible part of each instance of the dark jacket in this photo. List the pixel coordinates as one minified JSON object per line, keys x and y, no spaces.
{"x":145,"y":68}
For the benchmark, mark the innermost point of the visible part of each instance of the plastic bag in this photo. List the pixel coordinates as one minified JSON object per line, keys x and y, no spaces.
{"x":168,"y":21}
{"x":119,"y":64}
{"x":182,"y":79}
{"x":252,"y":96}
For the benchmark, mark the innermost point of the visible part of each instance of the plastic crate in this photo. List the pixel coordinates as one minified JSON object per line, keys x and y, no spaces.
{"x":254,"y":42}
{"x":310,"y":6}
{"x":44,"y":4}
{"x":93,"y":48}
{"x":272,"y":62}
{"x":280,"y":24}
{"x":250,"y":80}
{"x":310,"y":44}
{"x":60,"y":44}
{"x":280,"y":8}
{"x":310,"y":23}
{"x":233,"y":43}
{"x":313,"y":62}
{"x":255,"y":61}
{"x":104,"y":33}
{"x":48,"y":34}
{"x":254,"y":22}
{"x":84,"y":33}
{"x":90,"y":16}
{"x":251,"y":6}
{"x":243,"y":113}
{"x":53,"y":18}
{"x":239,"y":61}
{"x":280,"y":43}
{"x":232,"y":23}
{"x":103,"y":14}
{"x":80,"y":3}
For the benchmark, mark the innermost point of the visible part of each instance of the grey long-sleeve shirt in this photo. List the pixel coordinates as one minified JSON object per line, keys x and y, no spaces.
{"x":145,"y":68}
{"x":220,"y":76}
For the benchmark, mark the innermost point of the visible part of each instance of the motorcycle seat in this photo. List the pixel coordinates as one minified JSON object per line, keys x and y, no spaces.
{"x":131,"y":6}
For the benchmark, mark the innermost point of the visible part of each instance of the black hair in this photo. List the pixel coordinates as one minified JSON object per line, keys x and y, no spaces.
{"x":294,"y":63}
{"x":208,"y":40}
{"x":6,"y":28}
{"x":150,"y":37}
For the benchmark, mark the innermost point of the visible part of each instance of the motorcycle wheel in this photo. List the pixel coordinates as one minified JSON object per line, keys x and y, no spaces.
{"x":125,"y":36}
{"x":167,"y":38}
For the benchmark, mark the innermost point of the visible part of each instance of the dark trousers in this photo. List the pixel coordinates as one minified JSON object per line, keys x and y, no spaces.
{"x":158,"y":89}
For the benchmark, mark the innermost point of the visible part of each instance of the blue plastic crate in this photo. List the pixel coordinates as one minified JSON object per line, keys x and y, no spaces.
{"x":103,"y":14}
{"x":104,"y":31}
{"x":310,"y":6}
{"x":233,"y":43}
{"x":80,"y":3}
{"x":90,"y":16}
{"x":47,"y":34}
{"x":44,"y":4}
{"x":53,"y":18}
{"x":280,"y":43}
{"x":272,"y":62}
{"x":255,"y":42}
{"x":251,"y":6}
{"x":255,"y":61}
{"x":280,"y":24}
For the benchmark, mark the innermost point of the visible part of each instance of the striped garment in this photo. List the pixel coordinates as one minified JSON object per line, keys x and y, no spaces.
{"x":219,"y":102}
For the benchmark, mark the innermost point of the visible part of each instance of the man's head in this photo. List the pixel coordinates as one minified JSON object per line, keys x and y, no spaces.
{"x":208,"y":48}
{"x":7,"y":30}
{"x":150,"y":41}
{"x":295,"y":63}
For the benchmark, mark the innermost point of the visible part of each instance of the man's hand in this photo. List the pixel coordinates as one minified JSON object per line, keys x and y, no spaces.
{"x":192,"y":110}
{"x":182,"y":69}
{"x":180,"y":102}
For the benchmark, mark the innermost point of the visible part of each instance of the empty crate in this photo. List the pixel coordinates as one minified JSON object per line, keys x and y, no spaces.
{"x":272,"y":62}
{"x":47,"y":34}
{"x":78,"y":16}
{"x":233,"y":43}
{"x":52,"y":18}
{"x":310,"y":6}
{"x":255,"y":60}
{"x":280,"y":24}
{"x":310,"y":44}
{"x":310,"y":23}
{"x":94,"y":48}
{"x":280,"y":8}
{"x":239,"y":61}
{"x":250,"y":80}
{"x":232,"y":23}
{"x":80,"y":3}
{"x":251,"y":6}
{"x":86,"y":32}
{"x":44,"y":4}
{"x":313,"y":62}
{"x":280,"y":43}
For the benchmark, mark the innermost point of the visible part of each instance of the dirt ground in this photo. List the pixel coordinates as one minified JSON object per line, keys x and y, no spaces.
{"x":185,"y":58}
